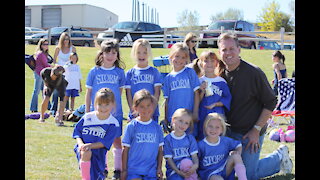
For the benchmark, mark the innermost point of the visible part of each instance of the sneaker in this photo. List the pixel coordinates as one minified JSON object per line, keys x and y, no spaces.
{"x":166,"y":127}
{"x":116,"y":174}
{"x":286,"y":162}
{"x":105,"y":173}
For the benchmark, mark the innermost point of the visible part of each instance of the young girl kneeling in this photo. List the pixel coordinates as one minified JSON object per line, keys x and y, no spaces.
{"x":95,"y":133}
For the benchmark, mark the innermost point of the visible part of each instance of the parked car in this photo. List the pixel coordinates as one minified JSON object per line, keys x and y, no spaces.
{"x":287,"y":46}
{"x":268,"y":45}
{"x":174,"y":39}
{"x":55,"y":33}
{"x":29,"y":31}
{"x":129,"y":31}
{"x":234,"y":25}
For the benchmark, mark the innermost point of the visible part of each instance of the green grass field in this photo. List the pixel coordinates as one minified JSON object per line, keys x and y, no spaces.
{"x":49,"y":149}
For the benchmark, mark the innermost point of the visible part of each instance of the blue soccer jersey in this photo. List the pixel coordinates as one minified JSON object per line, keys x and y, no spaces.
{"x":92,"y":130}
{"x":143,"y":140}
{"x":221,"y":93}
{"x":143,"y":78}
{"x":179,"y":88}
{"x":178,"y":148}
{"x":113,"y":78}
{"x":213,"y":157}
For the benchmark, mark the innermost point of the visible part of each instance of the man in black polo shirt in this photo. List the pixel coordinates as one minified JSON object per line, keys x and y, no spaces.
{"x":53,"y":79}
{"x":252,"y":103}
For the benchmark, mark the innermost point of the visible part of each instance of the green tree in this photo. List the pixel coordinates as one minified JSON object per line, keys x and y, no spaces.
{"x":229,"y":14}
{"x":188,"y":20}
{"x":272,"y":19}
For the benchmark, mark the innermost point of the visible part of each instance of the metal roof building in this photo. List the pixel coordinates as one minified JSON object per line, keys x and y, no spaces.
{"x":83,"y":15}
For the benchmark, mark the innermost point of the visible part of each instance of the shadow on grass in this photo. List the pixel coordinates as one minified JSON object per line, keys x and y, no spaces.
{"x":281,"y":177}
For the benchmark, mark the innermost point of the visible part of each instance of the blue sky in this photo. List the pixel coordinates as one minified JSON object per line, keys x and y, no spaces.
{"x":169,"y":10}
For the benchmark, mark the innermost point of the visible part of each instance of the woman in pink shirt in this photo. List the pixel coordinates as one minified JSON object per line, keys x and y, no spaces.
{"x":41,"y":57}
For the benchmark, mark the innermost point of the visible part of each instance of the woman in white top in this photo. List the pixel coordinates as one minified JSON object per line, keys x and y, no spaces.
{"x":62,"y":52}
{"x":63,"y":49}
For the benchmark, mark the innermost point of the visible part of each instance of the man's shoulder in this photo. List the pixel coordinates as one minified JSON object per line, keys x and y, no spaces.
{"x":250,"y":67}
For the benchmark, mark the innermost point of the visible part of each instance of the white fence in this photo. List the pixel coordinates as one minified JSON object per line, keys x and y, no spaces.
{"x":167,"y":38}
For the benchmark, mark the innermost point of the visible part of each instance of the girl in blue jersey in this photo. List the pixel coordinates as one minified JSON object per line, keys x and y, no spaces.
{"x":180,"y":85}
{"x":180,"y":148}
{"x":215,"y":95}
{"x":95,"y":133}
{"x":142,"y":76}
{"x":142,"y":141}
{"x":218,"y":154}
{"x":108,"y":72}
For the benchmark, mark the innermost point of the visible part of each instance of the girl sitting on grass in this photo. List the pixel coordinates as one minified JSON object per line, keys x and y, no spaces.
{"x":218,"y":154}
{"x":95,"y":133}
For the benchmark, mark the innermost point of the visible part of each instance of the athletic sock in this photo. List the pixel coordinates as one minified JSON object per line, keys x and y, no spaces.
{"x":117,"y":155}
{"x":106,"y":161}
{"x":240,"y":170}
{"x":85,"y":169}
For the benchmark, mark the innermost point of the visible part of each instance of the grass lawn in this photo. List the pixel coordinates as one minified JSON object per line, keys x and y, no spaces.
{"x":49,"y":149}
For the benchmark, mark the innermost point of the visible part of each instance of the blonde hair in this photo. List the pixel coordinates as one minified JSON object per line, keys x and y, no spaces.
{"x":104,"y":96}
{"x":226,"y":36}
{"x":179,"y":47}
{"x":63,"y":36}
{"x":181,"y":112}
{"x":141,"y":95}
{"x":107,"y":46}
{"x":188,"y":37}
{"x":141,"y":42}
{"x":215,"y":116}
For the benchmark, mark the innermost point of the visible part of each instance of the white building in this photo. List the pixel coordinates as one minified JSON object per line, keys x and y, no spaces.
{"x":83,"y":15}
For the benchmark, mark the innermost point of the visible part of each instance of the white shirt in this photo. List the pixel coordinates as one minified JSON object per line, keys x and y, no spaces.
{"x":72,"y":75}
{"x":63,"y":58}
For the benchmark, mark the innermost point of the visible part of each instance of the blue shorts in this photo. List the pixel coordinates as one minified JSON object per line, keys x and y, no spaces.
{"x":72,"y":92}
{"x":223,"y":174}
{"x":134,"y":176}
{"x":119,"y":118}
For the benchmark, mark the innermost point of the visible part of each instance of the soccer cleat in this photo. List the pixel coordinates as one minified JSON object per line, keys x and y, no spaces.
{"x":286,"y":162}
{"x":105,"y":173}
{"x":117,"y":174}
{"x":166,"y":128}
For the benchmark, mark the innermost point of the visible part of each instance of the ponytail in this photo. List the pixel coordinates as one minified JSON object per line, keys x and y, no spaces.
{"x":99,"y":59}
{"x":220,"y":68}
{"x":196,"y":66}
{"x":279,"y":55}
{"x":283,"y":58}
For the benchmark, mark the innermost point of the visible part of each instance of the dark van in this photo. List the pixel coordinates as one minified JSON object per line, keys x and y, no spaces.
{"x":234,"y":25}
{"x":129,"y":31}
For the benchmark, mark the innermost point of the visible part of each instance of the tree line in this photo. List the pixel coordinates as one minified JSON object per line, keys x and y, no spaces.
{"x":270,"y":19}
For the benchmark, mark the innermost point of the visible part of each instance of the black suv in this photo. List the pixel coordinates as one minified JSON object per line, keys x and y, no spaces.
{"x":129,"y":31}
{"x":57,"y":31}
{"x":236,"y":25}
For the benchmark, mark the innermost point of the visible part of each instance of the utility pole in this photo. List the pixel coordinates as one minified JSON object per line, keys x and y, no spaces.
{"x":138,"y":11}
{"x":142,"y":11}
{"x":133,"y":9}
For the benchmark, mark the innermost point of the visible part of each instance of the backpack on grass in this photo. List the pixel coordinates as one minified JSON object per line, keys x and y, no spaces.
{"x":30,"y":61}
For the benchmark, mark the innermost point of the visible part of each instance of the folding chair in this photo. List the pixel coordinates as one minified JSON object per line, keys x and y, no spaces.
{"x":163,"y":65}
{"x":285,"y":109}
